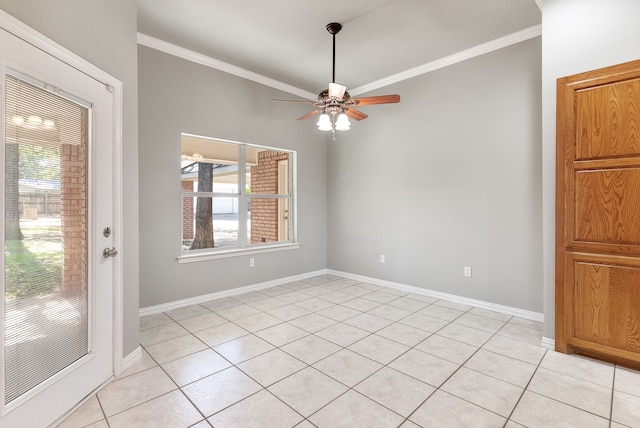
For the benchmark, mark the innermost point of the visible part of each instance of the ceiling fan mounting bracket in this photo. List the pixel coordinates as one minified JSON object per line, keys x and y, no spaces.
{"x":334,"y":28}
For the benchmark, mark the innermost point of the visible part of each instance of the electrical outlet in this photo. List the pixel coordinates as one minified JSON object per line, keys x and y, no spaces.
{"x":467,"y":271}
{"x":252,"y":262}
{"x":381,"y":258}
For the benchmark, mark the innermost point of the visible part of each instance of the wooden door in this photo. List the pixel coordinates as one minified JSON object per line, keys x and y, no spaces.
{"x":598,"y":214}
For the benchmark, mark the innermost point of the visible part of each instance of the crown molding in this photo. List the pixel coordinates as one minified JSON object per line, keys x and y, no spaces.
{"x":484,"y":48}
{"x":539,"y":3}
{"x":198,"y":58}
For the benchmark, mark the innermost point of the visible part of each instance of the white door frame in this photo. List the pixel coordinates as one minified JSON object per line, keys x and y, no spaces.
{"x":28,"y":34}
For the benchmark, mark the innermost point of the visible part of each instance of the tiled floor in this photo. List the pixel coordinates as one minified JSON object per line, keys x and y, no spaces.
{"x":331,"y":352}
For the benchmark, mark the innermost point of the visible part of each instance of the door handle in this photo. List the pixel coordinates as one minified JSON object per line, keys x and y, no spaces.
{"x":109,"y":252}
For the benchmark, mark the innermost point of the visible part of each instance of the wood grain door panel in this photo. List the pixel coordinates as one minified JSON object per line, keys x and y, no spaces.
{"x":598,"y":214}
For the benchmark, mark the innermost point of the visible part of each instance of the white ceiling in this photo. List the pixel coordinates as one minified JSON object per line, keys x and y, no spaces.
{"x":286,"y":40}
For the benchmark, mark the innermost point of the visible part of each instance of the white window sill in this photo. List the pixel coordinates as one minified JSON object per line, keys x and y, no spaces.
{"x":234,"y":252}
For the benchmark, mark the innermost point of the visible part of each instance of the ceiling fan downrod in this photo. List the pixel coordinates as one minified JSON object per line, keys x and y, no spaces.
{"x":334,"y":28}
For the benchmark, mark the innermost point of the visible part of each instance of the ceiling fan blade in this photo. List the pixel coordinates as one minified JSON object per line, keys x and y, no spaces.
{"x":337,"y":90}
{"x":355,"y":114}
{"x":293,"y":101}
{"x":380,"y":99}
{"x":308,"y":115}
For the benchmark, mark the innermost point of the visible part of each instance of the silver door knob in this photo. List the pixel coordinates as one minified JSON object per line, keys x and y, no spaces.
{"x":109,"y":252}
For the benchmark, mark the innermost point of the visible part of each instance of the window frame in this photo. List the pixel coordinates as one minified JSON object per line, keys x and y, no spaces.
{"x":244,"y":247}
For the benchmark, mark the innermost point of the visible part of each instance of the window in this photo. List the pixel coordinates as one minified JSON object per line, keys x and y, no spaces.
{"x":235,"y":197}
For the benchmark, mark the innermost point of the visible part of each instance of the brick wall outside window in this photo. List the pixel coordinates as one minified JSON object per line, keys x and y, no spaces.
{"x":187,"y":211}
{"x":264,"y":212}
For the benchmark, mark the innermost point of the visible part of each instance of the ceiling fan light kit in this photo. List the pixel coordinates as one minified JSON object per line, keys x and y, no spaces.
{"x":334,"y":104}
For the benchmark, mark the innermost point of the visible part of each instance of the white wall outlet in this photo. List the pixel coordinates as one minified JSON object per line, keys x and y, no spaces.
{"x":467,"y":271}
{"x":252,"y":262}
{"x":381,"y":258}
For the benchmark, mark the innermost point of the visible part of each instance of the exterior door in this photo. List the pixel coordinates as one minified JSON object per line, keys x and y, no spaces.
{"x":598,"y":214}
{"x":57,"y":164}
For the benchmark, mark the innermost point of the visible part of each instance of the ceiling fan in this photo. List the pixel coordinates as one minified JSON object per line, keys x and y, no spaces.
{"x":334,"y":104}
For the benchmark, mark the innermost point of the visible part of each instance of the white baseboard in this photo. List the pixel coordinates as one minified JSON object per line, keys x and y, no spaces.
{"x":165,"y":307}
{"x":130,"y":359}
{"x":508,"y":310}
{"x":548,"y":343}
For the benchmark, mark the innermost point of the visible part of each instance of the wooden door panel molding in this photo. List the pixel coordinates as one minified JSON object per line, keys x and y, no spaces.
{"x":598,"y":213}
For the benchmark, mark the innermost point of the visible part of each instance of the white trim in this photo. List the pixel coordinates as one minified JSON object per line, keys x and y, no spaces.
{"x":548,"y":343}
{"x":508,"y":310}
{"x":539,"y":3}
{"x":40,"y":41}
{"x":236,"y":252}
{"x":132,"y":358}
{"x":198,"y":58}
{"x":165,"y":307}
{"x":484,"y":48}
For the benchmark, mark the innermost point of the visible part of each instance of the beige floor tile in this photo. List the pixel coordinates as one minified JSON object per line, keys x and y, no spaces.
{"x":294,"y":297}
{"x":170,"y":410}
{"x":424,"y":322}
{"x":261,"y":410}
{"x":195,"y":366}
{"x":251,"y":296}
{"x":453,"y":305}
{"x":314,"y":304}
{"x":219,"y":304}
{"x":268,"y":304}
{"x":288,"y":312}
{"x":155,"y":320}
{"x":100,"y":424}
{"x":202,"y":424}
{"x":520,"y":332}
{"x":310,"y":349}
{"x":368,"y":322}
{"x":404,"y":334}
{"x":510,"y":370}
{"x":579,"y":367}
{"x":271,"y":367}
{"x":425,"y":367}
{"x":90,"y":412}
{"x":511,"y":424}
{"x":122,"y":394}
{"x":421,"y":298}
{"x":305,"y":424}
{"x":347,"y":367}
{"x":408,"y":304}
{"x":379,"y":349}
{"x":281,"y":334}
{"x":484,"y":391}
{"x":356,"y":291}
{"x":275,"y":291}
{"x":535,"y":410}
{"x":409,"y":424}
{"x":307,"y":391}
{"x":537,"y":325}
{"x":390,"y":312}
{"x":626,"y":409}
{"x":342,"y":334}
{"x":220,"y":390}
{"x":572,"y":391}
{"x":481,"y":323}
{"x":441,"y":312}
{"x":361,"y":304}
{"x":337,"y":297}
{"x":175,"y":348}
{"x":312,"y":322}
{"x":236,"y":312}
{"x":383,"y":296}
{"x":449,"y":349}
{"x":445,"y":410}
{"x":144,"y":363}
{"x":257,"y":322}
{"x":201,"y":322}
{"x":491,"y":314}
{"x":339,"y":313}
{"x":353,"y":410}
{"x":220,"y":334}
{"x":627,"y":381}
{"x":165,"y":332}
{"x":242,"y":349}
{"x":187,"y":312}
{"x":468,"y":335}
{"x":517,"y":349}
{"x":395,"y":390}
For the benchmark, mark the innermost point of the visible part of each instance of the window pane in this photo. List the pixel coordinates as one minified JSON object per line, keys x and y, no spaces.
{"x":211,"y":165}
{"x":270,"y":172}
{"x":269,"y":220}
{"x":209,"y":222}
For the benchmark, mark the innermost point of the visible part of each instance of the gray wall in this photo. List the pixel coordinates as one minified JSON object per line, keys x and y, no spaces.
{"x":450,"y":177}
{"x":579,"y":35}
{"x":179,"y":96}
{"x":104,"y":33}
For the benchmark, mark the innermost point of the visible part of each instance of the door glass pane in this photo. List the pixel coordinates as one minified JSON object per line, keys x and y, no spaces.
{"x":46,"y":265}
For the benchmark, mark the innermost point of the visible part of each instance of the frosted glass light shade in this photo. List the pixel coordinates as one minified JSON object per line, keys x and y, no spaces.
{"x":324,"y":122}
{"x":342,"y":124}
